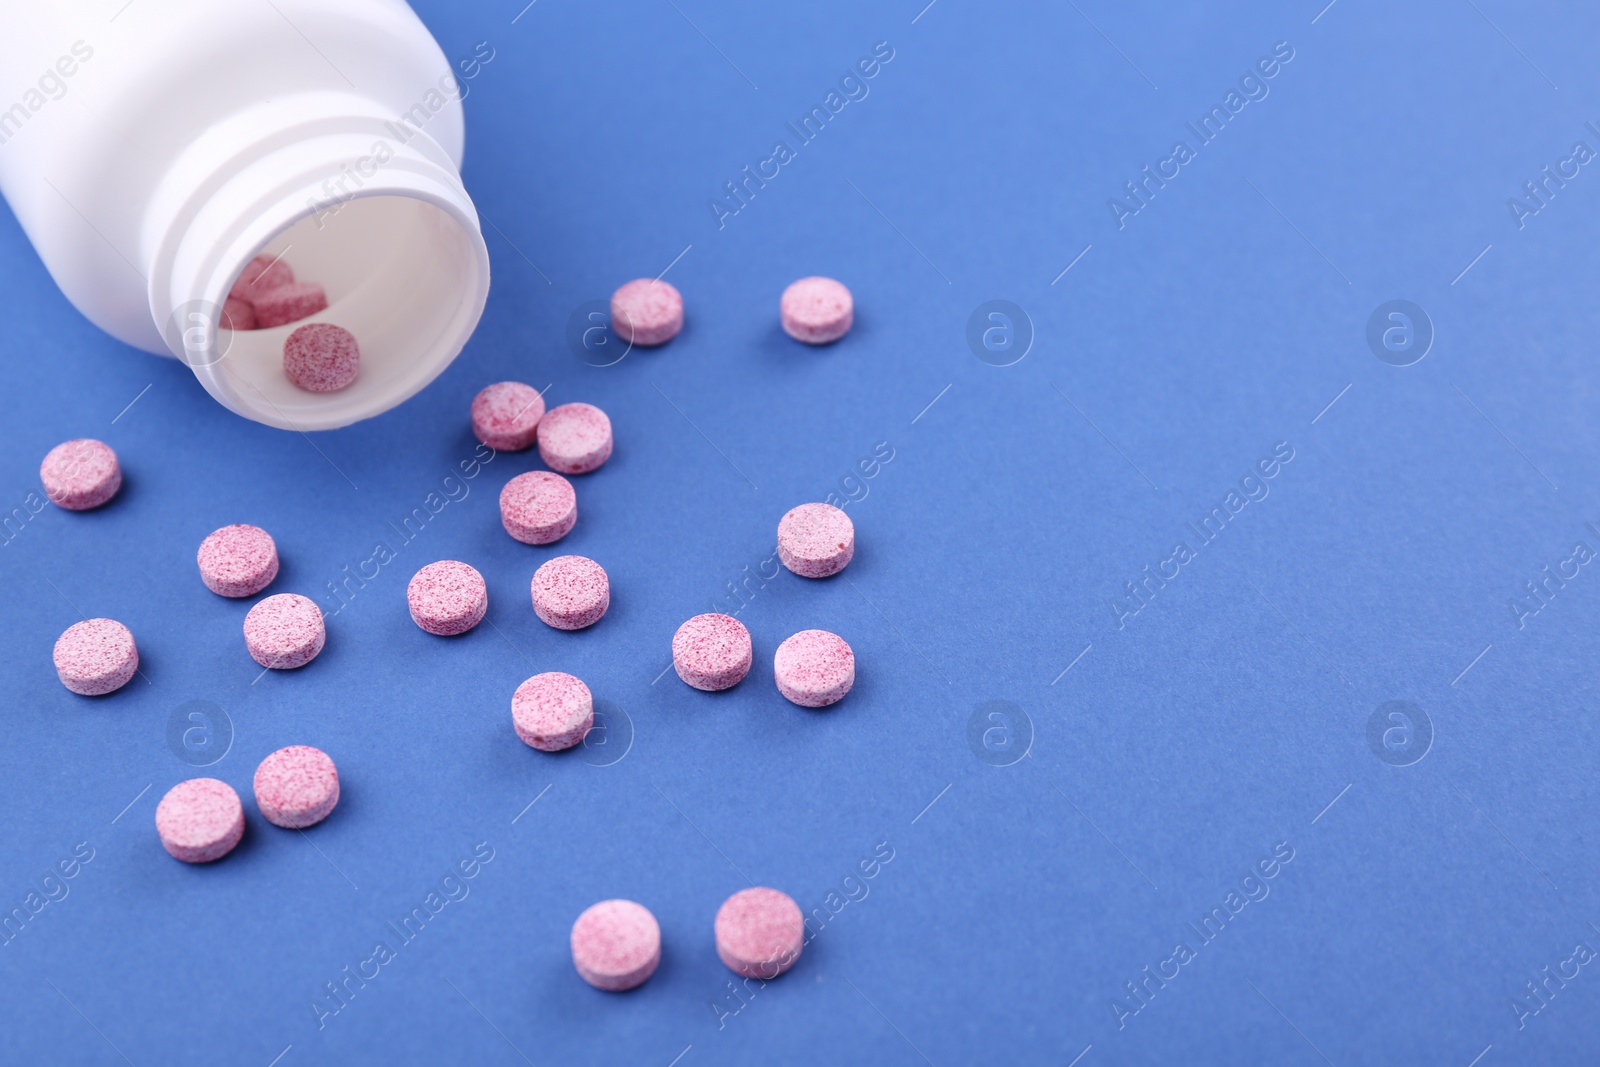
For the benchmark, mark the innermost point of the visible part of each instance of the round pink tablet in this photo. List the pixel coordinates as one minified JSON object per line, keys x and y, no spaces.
{"x":712,"y":652}
{"x":505,"y":416}
{"x":538,"y":507}
{"x":571,"y":592}
{"x":816,"y":540}
{"x":289,"y":303}
{"x":297,"y":787}
{"x":552,"y":711}
{"x":575,"y":438}
{"x":447,"y":598}
{"x":816,"y":310}
{"x":200,"y":820}
{"x":616,"y":945}
{"x":96,"y":656}
{"x":238,"y":560}
{"x":647,"y":312}
{"x":262,"y":274}
{"x":321,"y":358}
{"x":81,"y":474}
{"x":760,"y":933}
{"x":814,"y":668}
{"x":284,"y":631}
{"x":237,"y":314}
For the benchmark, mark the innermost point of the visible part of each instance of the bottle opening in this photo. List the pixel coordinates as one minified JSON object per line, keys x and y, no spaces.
{"x":404,"y":276}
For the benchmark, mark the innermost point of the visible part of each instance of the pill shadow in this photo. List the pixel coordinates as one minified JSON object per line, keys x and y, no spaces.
{"x":779,"y":348}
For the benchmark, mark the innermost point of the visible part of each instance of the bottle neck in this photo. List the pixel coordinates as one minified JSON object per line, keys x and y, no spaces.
{"x":369,"y":207}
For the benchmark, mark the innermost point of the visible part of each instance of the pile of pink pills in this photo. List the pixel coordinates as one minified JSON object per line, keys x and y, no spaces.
{"x":267,"y":295}
{"x":201,"y":820}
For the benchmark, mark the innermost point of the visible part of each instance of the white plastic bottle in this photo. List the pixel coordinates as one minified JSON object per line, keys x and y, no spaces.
{"x":151,"y":148}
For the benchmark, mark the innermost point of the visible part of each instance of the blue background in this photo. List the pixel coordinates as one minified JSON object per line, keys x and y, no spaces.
{"x":1184,"y":744}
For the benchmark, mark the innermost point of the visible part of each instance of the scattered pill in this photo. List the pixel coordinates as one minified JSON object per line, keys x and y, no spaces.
{"x":200,"y":820}
{"x":816,"y":540}
{"x":712,"y":652}
{"x":552,"y":711}
{"x":814,"y":668}
{"x":81,"y":474}
{"x":538,"y":507}
{"x":96,"y":656}
{"x":238,"y":560}
{"x":238,"y":314}
{"x":297,"y":787}
{"x":289,"y":303}
{"x":575,"y":438}
{"x":571,"y":592}
{"x":447,"y":598}
{"x":647,"y":312}
{"x":261,"y":275}
{"x":760,"y":932}
{"x":321,"y":357}
{"x":505,"y":416}
{"x":284,"y":631}
{"x":616,"y":945}
{"x":816,"y":310}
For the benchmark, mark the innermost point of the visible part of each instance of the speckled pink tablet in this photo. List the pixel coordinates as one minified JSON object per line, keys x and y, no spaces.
{"x":505,"y":416}
{"x":284,"y":631}
{"x":321,"y":357}
{"x":238,"y":560}
{"x":816,"y":540}
{"x":289,"y":303}
{"x":814,"y":668}
{"x":816,"y":310}
{"x":200,"y":820}
{"x":575,"y":438}
{"x":760,"y":932}
{"x":571,"y":592}
{"x":297,"y":787}
{"x":538,"y":507}
{"x":647,"y":312}
{"x":552,"y":711}
{"x":81,"y":474}
{"x":261,"y":275}
{"x":237,"y":314}
{"x":96,"y":656}
{"x":712,"y":652}
{"x":447,"y":598}
{"x":616,"y":945}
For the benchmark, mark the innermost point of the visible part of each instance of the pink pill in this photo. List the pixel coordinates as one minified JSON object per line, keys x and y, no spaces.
{"x":538,"y":507}
{"x":238,"y":560}
{"x":571,"y":592}
{"x":321,"y":357}
{"x":96,"y":656}
{"x":284,"y":631}
{"x":552,"y":711}
{"x":505,"y":416}
{"x":575,"y":438}
{"x":200,"y":820}
{"x":816,"y":540}
{"x":816,"y":310}
{"x":81,"y":474}
{"x":297,"y":787}
{"x":647,"y":312}
{"x":261,"y":275}
{"x":616,"y":945}
{"x":814,"y":668}
{"x":712,"y":652}
{"x":447,"y":598}
{"x":237,"y":314}
{"x":760,"y":932}
{"x":289,"y":303}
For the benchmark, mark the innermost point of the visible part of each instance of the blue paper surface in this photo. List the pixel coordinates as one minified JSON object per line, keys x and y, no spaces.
{"x":1154,"y":756}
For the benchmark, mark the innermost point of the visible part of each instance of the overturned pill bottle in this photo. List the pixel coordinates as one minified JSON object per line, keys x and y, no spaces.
{"x":152,"y":149}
